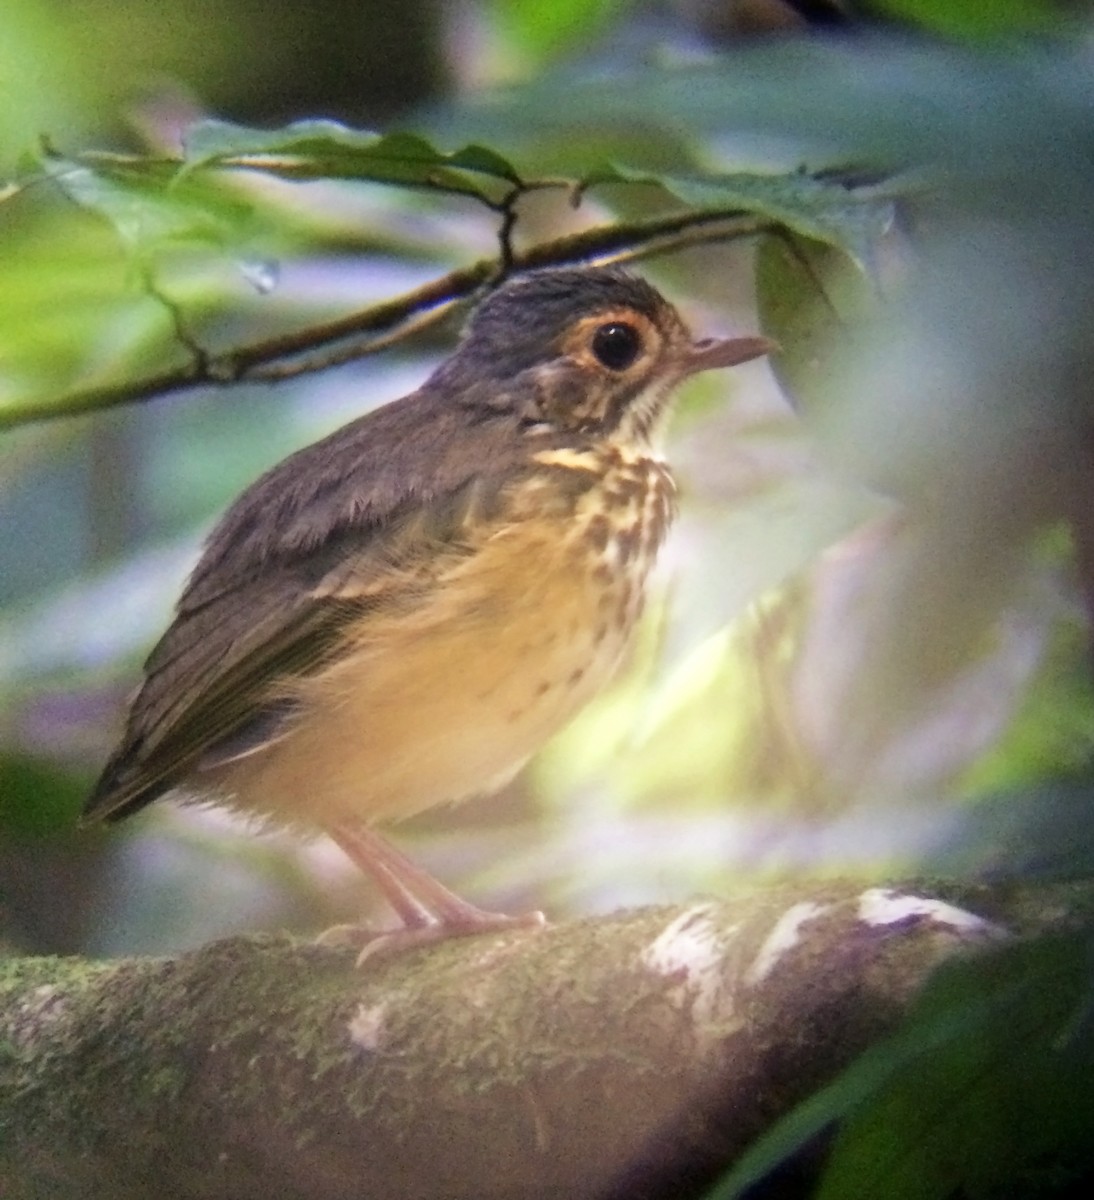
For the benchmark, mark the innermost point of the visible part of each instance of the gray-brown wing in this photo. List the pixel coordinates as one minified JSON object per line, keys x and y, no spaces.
{"x":215,"y":676}
{"x":216,"y":679}
{"x":325,"y":533}
{"x":215,"y":684}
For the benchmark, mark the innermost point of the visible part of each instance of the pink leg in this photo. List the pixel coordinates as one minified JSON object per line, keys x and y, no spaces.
{"x":427,"y":909}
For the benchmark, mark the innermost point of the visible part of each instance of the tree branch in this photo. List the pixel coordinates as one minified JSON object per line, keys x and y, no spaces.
{"x":632,"y":1055}
{"x":391,"y":321}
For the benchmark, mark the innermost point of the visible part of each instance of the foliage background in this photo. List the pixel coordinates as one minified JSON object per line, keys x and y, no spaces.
{"x":871,"y":655}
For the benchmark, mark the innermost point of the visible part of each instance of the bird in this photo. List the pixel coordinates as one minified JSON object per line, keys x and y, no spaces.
{"x":401,"y":614}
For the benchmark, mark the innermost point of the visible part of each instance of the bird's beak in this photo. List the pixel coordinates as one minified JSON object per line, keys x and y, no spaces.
{"x":709,"y":353}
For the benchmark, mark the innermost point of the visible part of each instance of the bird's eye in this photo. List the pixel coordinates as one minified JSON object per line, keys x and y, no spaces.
{"x":616,"y":345}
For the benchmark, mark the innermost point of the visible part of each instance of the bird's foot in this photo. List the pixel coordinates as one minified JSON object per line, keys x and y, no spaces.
{"x":376,"y":943}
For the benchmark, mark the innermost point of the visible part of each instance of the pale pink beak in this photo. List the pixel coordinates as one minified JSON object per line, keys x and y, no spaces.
{"x":709,"y":353}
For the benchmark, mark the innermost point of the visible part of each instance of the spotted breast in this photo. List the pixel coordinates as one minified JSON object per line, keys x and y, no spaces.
{"x":508,"y":644}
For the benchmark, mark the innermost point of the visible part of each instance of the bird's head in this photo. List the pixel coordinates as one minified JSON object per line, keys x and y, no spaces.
{"x":586,"y":350}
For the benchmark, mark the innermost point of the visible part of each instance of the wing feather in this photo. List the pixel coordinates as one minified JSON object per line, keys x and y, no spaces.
{"x":326,"y":534}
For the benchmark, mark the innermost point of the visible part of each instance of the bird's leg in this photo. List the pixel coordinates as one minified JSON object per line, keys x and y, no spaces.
{"x":428,"y":910}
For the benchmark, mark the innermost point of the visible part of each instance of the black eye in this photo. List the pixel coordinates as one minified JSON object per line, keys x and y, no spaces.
{"x":616,"y":345}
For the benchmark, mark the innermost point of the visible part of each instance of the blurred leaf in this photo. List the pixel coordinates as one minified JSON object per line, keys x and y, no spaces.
{"x":857,"y":1085}
{"x":542,"y":30}
{"x":44,"y":81}
{"x":978,"y":18}
{"x":143,"y":202}
{"x":990,"y":1112}
{"x":97,"y":293}
{"x":708,"y":735}
{"x":37,"y":798}
{"x":68,"y":304}
{"x":822,"y":209}
{"x":1042,"y":832}
{"x":1052,"y":734}
{"x":329,"y":150}
{"x":812,"y":297}
{"x":989,"y":1080}
{"x":887,"y":102}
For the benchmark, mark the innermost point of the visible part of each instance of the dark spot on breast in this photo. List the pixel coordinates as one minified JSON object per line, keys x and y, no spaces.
{"x":623,"y":613}
{"x":628,"y":541}
{"x":576,"y":676}
{"x":543,"y":687}
{"x":627,"y":487}
{"x":598,"y":532}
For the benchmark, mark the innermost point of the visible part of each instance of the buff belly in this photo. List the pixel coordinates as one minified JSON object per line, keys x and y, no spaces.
{"x":448,"y":700}
{"x":447,"y":695}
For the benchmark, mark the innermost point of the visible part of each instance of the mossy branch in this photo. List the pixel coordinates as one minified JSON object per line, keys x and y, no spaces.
{"x":632,"y":1055}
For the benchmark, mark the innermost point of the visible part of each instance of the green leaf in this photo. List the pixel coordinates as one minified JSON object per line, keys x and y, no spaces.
{"x":68,"y":305}
{"x":37,"y":799}
{"x":854,"y":1087}
{"x":329,"y":150}
{"x":1052,"y":735}
{"x":139,"y":200}
{"x":1010,"y":1099}
{"x":822,"y":209}
{"x":979,"y":18}
{"x":812,"y":296}
{"x":886,"y":102}
{"x":990,"y":1073}
{"x":542,"y":30}
{"x":82,"y":283}
{"x":1043,"y":832}
{"x":50,"y":82}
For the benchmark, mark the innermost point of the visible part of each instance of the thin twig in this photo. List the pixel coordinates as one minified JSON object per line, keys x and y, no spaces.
{"x":199,"y":355}
{"x":392,"y":320}
{"x":508,"y":211}
{"x":323,"y":360}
